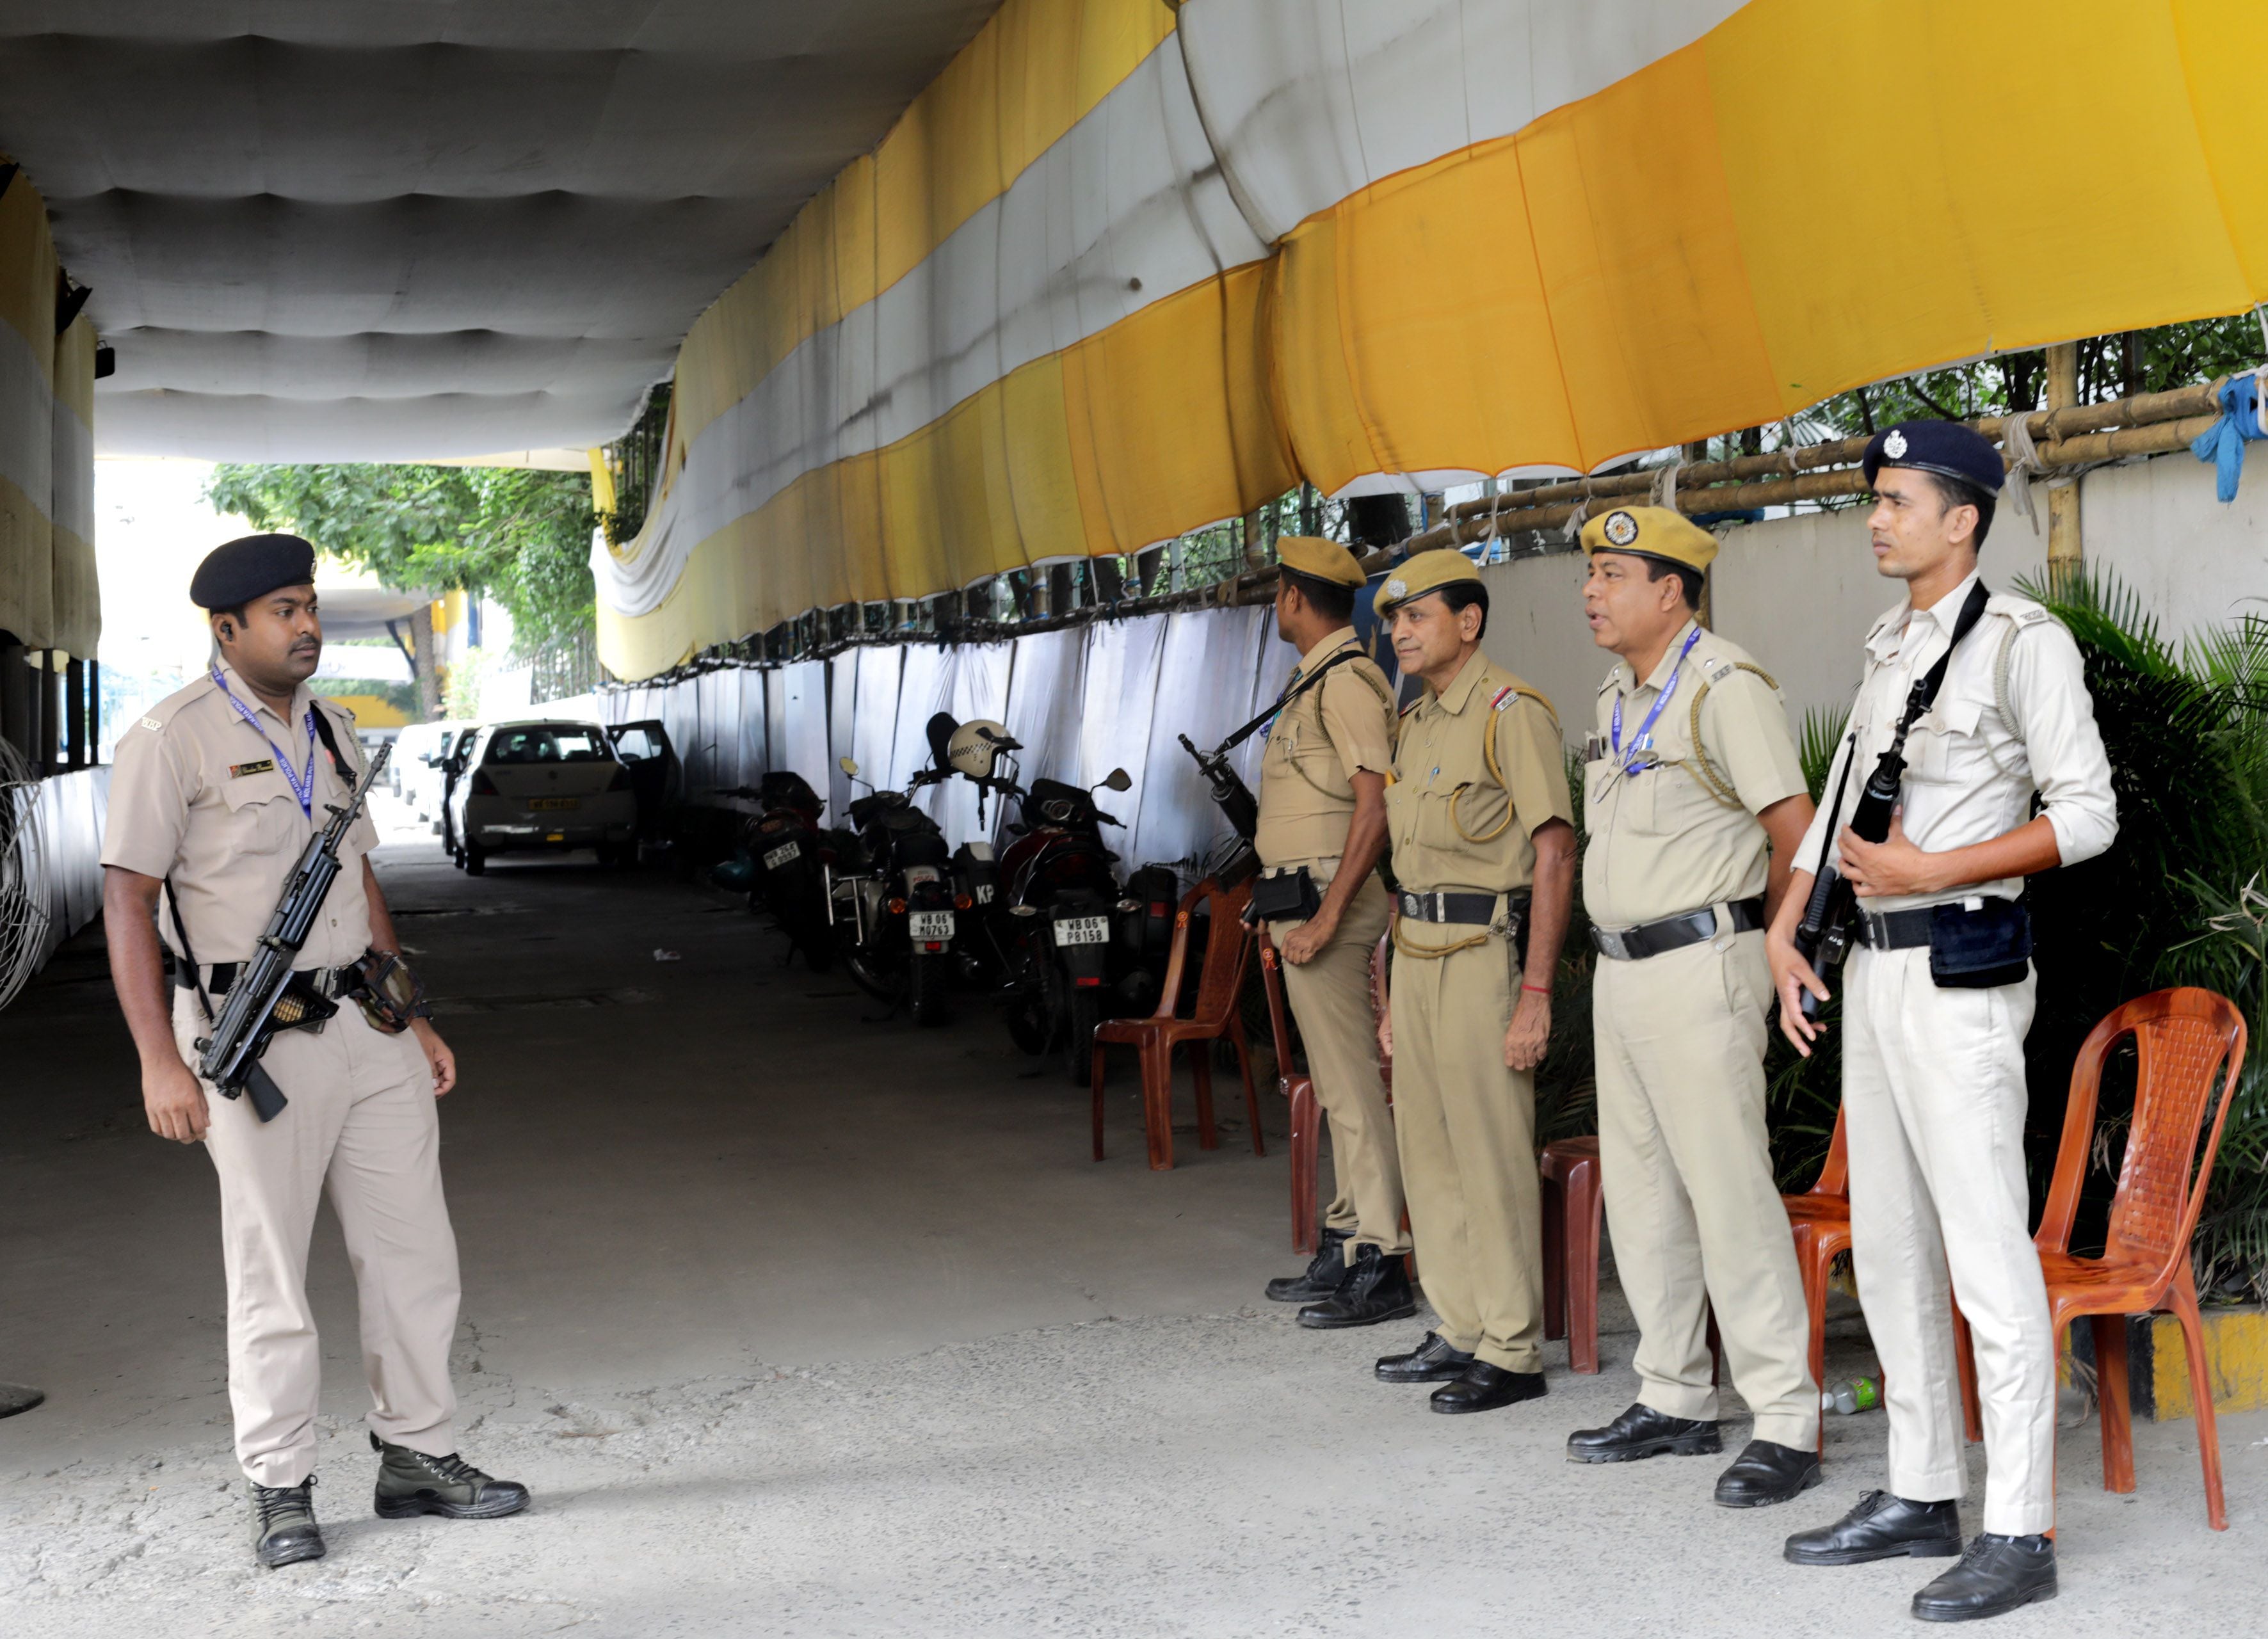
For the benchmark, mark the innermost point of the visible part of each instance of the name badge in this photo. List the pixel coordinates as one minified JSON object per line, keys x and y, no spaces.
{"x":239,"y":770}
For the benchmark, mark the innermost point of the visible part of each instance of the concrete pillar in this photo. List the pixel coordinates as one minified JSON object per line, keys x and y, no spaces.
{"x":2065,"y":554}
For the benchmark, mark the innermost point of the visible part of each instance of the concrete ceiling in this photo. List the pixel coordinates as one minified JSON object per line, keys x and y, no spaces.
{"x":382,"y":230}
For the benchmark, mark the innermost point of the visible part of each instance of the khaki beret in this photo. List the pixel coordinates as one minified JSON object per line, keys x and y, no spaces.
{"x":1428,"y":571}
{"x":1324,"y":560}
{"x":1651,"y":532}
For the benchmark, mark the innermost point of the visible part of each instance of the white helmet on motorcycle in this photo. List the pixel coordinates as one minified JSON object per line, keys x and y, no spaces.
{"x":975,"y":745}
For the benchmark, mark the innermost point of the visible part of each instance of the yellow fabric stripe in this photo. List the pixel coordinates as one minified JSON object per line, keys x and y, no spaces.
{"x":1032,"y":73}
{"x":78,"y":589}
{"x":1099,"y":448}
{"x":27,"y":568}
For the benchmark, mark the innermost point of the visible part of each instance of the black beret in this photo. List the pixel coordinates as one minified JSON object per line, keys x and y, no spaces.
{"x":1937,"y":447}
{"x":251,"y":566}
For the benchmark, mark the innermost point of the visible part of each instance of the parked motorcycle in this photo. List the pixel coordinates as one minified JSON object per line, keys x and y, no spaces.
{"x":890,"y":899}
{"x":1072,"y":945}
{"x":789,"y":854}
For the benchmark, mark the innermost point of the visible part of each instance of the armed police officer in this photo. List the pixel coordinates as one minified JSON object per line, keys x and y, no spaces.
{"x":1696,"y":803}
{"x":214,"y":798}
{"x":1322,"y":827}
{"x":1971,"y":706}
{"x":1483,"y":844}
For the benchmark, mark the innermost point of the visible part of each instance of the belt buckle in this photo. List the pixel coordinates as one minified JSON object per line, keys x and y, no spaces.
{"x":1611,"y":943}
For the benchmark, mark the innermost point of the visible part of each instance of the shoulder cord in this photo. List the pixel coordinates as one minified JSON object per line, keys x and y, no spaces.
{"x":1496,"y":773}
{"x":1711,"y":779}
{"x":2002,"y":701}
{"x":1425,"y":952}
{"x":1384,"y":699}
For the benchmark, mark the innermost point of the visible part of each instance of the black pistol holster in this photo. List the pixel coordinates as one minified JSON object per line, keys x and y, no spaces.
{"x":1285,"y":896}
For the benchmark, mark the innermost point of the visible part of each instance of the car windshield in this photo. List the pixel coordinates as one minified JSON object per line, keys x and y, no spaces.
{"x":548,"y":742}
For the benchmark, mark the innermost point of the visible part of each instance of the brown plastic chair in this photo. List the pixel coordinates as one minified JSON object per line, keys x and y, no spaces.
{"x":1228,"y":947}
{"x":2181,"y":1037}
{"x":1299,"y":1088}
{"x":1820,"y":1220}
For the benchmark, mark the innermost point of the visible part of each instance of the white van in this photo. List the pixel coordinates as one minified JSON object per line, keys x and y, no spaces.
{"x":415,"y":771}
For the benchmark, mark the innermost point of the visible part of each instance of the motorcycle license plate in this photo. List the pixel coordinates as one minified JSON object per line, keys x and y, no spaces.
{"x":774,"y":858}
{"x":933,"y":924}
{"x":1083,"y":930}
{"x":536,"y":802}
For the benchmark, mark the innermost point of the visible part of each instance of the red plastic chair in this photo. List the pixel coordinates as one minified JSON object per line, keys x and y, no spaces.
{"x":2181,"y":1038}
{"x":1574,"y":1206}
{"x":1299,"y":1088}
{"x":1228,"y":947}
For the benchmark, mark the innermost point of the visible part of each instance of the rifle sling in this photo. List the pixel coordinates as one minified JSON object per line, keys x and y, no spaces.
{"x":1284,"y":700}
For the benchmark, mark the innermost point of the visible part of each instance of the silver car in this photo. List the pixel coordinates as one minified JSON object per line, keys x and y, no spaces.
{"x":543,"y":785}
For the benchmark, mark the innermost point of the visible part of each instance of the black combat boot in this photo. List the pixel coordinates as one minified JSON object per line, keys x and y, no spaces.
{"x":410,"y":1483}
{"x":1376,"y":1288}
{"x":1642,"y":1432}
{"x":283,"y":1528}
{"x":1432,"y":1361}
{"x":1484,"y":1387}
{"x":1998,"y":1574}
{"x":1766,"y":1472}
{"x":1321,"y":1277}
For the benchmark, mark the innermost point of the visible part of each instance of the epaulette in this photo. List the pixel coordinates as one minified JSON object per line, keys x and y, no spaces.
{"x":2022,"y":611}
{"x":1504,"y":696}
{"x":165,"y":711}
{"x":1722,"y":670}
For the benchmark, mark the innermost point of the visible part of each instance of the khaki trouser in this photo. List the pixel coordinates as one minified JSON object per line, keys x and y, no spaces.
{"x":1466,"y":1128}
{"x":361,"y":1122}
{"x":1330,"y":997}
{"x":1933,"y":1100}
{"x":1695,"y":1213}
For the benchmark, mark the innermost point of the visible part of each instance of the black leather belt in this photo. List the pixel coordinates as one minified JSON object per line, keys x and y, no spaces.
{"x":1895,"y":930}
{"x":330,"y":981}
{"x":1674,"y":933}
{"x":1455,"y":905}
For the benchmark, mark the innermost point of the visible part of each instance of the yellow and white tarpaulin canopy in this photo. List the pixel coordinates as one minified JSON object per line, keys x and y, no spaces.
{"x":1123,"y":269}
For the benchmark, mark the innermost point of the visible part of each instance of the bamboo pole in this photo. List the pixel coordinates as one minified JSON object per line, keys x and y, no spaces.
{"x":2065,"y":549}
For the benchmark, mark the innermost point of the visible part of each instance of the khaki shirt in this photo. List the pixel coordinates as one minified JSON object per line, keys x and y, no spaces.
{"x":1443,"y":795}
{"x":1971,"y":766}
{"x":1666,"y":837}
{"x":1343,"y":725}
{"x":197,"y":796}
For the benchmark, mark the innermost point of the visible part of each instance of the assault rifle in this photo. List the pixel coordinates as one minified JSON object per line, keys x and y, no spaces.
{"x":267,"y":996}
{"x":1822,"y":938}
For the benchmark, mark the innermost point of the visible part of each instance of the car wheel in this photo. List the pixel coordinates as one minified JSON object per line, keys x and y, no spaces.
{"x":476,"y":860}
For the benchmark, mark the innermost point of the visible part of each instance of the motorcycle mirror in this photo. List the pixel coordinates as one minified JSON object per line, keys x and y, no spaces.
{"x":940,"y":731}
{"x":848,"y":765}
{"x":1117,"y":780}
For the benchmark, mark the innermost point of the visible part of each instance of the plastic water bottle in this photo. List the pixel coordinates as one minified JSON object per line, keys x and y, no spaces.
{"x":1859,"y":1394}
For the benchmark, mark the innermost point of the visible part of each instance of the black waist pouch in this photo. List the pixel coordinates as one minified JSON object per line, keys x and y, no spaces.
{"x":1975,"y":949}
{"x":1286,"y":896}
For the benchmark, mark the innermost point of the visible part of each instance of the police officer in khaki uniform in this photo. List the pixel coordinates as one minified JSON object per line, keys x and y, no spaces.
{"x":214,"y":797}
{"x":1322,"y":817}
{"x":1695,"y":801}
{"x":1484,"y":853}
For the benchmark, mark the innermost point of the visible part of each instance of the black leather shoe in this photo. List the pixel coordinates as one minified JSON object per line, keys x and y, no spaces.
{"x":1998,"y":1574}
{"x":1766,"y":1472}
{"x":1320,"y":1279}
{"x":1484,"y":1387}
{"x":1642,"y":1432}
{"x":1376,"y":1288}
{"x":1880,"y":1526}
{"x":1432,"y":1361}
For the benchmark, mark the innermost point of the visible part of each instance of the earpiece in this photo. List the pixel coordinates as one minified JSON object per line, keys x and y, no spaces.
{"x":227,"y":630}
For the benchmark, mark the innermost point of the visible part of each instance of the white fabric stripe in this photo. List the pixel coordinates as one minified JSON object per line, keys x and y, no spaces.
{"x":1310,"y":101}
{"x":73,"y":486}
{"x":28,"y":428}
{"x":1131,"y":193}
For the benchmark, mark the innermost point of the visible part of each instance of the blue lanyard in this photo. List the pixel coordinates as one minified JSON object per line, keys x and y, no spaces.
{"x":302,"y":785}
{"x":1646,"y":728}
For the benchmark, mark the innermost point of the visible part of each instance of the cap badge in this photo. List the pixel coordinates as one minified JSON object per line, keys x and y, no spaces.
{"x":1895,"y":445}
{"x":1397,"y":589}
{"x":1621,"y":529}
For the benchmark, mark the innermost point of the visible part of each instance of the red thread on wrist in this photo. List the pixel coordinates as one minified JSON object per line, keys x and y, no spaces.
{"x":1536,"y":990}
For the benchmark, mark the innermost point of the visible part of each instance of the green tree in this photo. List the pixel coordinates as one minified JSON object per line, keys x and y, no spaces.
{"x":520,"y":536}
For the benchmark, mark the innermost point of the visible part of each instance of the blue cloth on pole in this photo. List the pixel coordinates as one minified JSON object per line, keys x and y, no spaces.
{"x":2223,"y":443}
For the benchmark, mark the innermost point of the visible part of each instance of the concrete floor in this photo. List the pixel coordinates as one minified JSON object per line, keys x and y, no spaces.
{"x":800,"y":1323}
